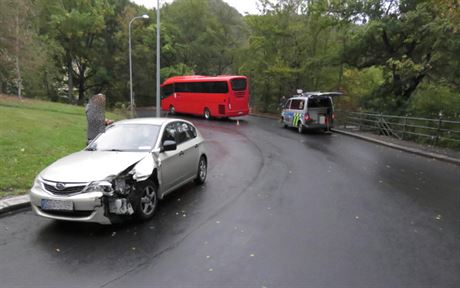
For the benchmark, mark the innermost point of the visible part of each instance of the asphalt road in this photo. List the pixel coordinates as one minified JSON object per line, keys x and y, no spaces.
{"x":279,"y":209}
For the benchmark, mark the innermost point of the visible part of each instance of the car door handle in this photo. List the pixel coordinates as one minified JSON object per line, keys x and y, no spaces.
{"x":181,"y":153}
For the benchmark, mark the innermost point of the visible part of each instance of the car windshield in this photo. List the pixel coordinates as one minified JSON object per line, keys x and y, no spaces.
{"x":126,"y":137}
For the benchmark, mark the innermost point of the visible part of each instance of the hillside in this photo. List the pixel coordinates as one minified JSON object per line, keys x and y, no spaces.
{"x":34,"y":134}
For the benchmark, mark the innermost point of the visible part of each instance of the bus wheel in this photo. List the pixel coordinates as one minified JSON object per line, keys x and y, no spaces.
{"x":207,"y":114}
{"x":172,"y":111}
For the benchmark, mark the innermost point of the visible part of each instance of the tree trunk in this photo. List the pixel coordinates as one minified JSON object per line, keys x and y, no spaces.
{"x":70,"y":80}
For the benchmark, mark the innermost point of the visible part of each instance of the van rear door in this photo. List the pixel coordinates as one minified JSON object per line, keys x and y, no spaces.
{"x":320,"y":109}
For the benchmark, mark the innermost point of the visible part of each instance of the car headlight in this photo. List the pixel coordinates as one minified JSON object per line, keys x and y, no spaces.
{"x":99,"y":186}
{"x":37,"y":183}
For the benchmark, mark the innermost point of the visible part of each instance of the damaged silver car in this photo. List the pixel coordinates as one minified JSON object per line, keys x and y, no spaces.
{"x":123,"y":173}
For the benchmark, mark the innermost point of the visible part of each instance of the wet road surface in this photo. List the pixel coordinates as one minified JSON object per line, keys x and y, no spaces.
{"x":278,"y":209}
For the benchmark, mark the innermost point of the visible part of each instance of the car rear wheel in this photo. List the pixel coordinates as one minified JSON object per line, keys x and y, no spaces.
{"x":300,"y":128}
{"x":146,"y":200}
{"x":202,"y":171}
{"x":207,"y":114}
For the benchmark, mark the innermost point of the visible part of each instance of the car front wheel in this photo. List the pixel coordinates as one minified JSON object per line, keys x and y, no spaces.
{"x":202,"y":171}
{"x":146,"y":200}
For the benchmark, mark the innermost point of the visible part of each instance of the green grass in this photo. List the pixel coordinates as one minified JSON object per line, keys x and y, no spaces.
{"x":33,"y":134}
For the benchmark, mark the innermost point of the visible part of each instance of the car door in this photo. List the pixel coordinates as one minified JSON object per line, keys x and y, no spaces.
{"x":171,"y":161}
{"x":188,"y":147}
{"x":286,"y":113}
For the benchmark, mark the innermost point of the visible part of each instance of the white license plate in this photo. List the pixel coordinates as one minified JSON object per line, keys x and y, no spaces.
{"x":62,"y":205}
{"x":322,"y":119}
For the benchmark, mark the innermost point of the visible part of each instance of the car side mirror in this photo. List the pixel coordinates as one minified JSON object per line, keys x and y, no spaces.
{"x":169,"y":145}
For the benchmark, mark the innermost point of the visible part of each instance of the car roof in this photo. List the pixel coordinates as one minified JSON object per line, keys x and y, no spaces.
{"x":150,"y":121}
{"x":316,"y":94}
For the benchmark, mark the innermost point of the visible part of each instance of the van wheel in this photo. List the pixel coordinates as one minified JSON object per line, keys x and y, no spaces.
{"x":172,"y":110}
{"x":207,"y":114}
{"x":146,"y":200}
{"x":202,"y":171}
{"x":300,"y":128}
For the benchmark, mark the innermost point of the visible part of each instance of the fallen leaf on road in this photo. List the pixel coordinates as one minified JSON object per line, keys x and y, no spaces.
{"x":438,"y":217}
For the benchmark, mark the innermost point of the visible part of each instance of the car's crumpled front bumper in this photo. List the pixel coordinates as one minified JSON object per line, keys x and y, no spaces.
{"x":87,"y":207}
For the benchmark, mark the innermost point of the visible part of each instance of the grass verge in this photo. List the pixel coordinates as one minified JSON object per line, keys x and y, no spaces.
{"x":33,"y":134}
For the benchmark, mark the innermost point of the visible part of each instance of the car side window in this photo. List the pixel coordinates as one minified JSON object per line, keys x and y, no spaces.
{"x":191,"y":131}
{"x":288,"y":104}
{"x":296,"y":104}
{"x":182,"y":132}
{"x":169,"y":133}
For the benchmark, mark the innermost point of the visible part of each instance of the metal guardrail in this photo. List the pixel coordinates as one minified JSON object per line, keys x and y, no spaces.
{"x":436,"y":132}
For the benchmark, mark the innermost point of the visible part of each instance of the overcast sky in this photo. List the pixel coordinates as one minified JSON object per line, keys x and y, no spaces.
{"x":243,"y":6}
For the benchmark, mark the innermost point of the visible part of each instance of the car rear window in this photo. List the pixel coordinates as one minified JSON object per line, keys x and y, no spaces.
{"x":319,"y":102}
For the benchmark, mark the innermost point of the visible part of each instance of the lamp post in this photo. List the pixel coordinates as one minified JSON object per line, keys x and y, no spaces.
{"x":158,"y":60}
{"x":145,"y":16}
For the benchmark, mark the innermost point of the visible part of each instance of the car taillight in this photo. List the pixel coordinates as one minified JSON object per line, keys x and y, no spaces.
{"x":307,"y":117}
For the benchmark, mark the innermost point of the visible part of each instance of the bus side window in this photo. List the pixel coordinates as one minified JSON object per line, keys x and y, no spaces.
{"x":167,"y":90}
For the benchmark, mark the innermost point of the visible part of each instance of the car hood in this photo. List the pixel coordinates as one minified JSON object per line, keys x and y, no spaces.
{"x":87,"y":166}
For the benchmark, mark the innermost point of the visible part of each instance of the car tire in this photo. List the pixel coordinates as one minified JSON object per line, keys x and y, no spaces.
{"x":202,"y":171}
{"x":172,"y":110}
{"x":146,"y":200}
{"x":300,"y":128}
{"x":206,"y":114}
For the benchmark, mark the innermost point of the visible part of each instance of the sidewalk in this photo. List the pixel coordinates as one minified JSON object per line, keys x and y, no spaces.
{"x":438,"y":153}
{"x":443,"y":154}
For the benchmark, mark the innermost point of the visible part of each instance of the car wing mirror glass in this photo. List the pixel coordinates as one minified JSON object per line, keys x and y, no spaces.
{"x":169,"y":145}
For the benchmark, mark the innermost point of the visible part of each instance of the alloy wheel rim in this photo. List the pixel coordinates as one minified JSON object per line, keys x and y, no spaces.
{"x":148,"y":202}
{"x":203,"y":170}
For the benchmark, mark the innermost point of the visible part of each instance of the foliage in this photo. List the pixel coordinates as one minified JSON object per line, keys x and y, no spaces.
{"x":383,"y":54}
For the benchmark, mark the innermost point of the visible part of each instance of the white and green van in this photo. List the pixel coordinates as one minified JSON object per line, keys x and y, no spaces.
{"x":309,"y":110}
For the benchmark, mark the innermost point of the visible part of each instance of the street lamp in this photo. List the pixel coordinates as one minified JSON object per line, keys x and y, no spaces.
{"x":158,"y":60}
{"x":145,"y":16}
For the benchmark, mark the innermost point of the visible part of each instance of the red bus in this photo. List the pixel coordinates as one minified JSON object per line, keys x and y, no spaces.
{"x":219,"y":96}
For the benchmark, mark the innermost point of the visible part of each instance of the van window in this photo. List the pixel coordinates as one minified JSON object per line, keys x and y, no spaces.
{"x":319,"y":102}
{"x":288,"y":104}
{"x":297,"y":104}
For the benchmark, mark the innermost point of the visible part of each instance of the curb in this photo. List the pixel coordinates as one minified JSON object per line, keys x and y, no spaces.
{"x":403,"y":148}
{"x":14,"y":203}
